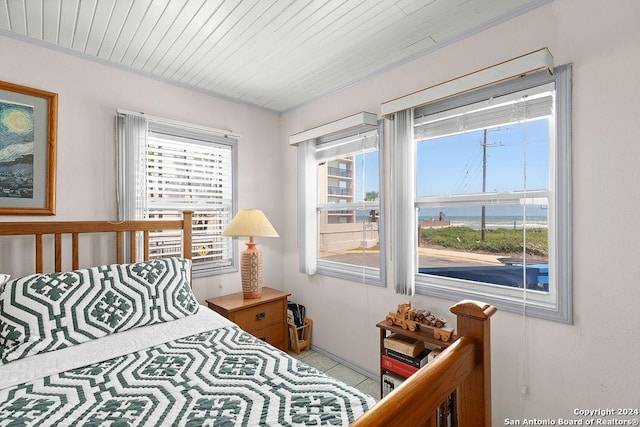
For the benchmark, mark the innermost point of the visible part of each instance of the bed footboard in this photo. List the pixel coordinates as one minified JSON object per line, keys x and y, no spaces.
{"x":463,"y":368}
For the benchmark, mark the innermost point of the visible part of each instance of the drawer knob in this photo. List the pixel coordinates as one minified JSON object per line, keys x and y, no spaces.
{"x":261,"y":315}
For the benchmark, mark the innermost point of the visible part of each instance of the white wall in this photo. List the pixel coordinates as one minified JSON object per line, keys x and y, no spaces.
{"x":593,"y":363}
{"x":88,"y":95}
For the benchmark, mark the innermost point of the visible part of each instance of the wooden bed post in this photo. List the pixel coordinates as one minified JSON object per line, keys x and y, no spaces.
{"x":474,"y":394}
{"x":187,"y":245}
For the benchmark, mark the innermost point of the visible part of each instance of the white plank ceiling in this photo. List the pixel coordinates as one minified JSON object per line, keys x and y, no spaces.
{"x":276,"y":54}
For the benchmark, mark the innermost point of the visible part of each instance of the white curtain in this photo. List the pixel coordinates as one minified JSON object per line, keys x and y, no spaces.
{"x":307,"y":199}
{"x":131,"y":149}
{"x":402,"y":193}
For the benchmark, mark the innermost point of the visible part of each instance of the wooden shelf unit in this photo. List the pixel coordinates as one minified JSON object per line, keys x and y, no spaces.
{"x":425,"y":335}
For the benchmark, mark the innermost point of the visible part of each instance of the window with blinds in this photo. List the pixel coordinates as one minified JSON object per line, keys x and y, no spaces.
{"x":348,"y":206}
{"x":485,"y":217}
{"x":340,"y":203}
{"x":197,"y":174}
{"x":492,"y":192}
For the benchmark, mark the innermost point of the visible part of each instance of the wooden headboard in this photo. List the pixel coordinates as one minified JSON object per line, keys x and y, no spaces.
{"x":58,"y":228}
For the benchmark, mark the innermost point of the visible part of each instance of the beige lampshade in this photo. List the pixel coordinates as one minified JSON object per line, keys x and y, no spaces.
{"x":250,"y":223}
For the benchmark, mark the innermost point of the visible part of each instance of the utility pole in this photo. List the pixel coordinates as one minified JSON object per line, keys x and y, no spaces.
{"x":483,"y":222}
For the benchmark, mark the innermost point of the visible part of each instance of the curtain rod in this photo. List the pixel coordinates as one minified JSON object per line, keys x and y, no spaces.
{"x":223,"y":132}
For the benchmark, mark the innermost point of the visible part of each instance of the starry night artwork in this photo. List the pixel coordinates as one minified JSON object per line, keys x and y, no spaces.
{"x":16,"y":150}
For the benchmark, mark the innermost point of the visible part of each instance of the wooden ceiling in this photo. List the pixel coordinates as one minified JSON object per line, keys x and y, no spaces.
{"x":275,"y":54}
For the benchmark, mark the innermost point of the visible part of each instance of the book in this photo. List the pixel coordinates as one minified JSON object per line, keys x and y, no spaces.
{"x":390,"y":382}
{"x":397,"y":367}
{"x":403,"y":344}
{"x":419,"y":361}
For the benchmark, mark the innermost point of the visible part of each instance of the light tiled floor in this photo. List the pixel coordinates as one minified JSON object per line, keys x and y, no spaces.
{"x":339,"y":371}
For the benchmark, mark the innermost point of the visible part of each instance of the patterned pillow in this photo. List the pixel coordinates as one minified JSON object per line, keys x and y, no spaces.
{"x":46,"y":312}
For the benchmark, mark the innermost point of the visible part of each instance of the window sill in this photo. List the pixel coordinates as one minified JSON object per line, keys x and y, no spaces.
{"x":542,"y":305}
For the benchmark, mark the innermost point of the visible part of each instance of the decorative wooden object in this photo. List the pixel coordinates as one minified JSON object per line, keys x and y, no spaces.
{"x":406,"y":317}
{"x":464,"y":367}
{"x":403,"y":317}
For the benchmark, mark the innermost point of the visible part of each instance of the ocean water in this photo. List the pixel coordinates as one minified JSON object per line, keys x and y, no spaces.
{"x":495,"y":222}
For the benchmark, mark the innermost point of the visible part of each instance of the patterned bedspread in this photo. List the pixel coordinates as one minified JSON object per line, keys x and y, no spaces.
{"x":223,"y":377}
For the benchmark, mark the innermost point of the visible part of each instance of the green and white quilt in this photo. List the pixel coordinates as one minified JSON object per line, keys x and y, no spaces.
{"x":128,"y":345}
{"x":223,"y":377}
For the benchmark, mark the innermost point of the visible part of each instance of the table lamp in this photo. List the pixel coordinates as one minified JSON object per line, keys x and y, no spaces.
{"x":250,"y":223}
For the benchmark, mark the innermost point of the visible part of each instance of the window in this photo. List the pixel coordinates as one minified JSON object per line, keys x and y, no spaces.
{"x":492,"y":195}
{"x":342,"y":232}
{"x":167,"y":168}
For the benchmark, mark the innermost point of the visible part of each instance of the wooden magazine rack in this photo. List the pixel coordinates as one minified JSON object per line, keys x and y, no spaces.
{"x":300,"y":336}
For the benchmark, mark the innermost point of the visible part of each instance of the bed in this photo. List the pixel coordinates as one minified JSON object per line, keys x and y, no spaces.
{"x":127,"y":344}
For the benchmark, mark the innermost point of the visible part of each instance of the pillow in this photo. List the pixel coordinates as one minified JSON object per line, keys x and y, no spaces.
{"x":4,"y":278}
{"x":46,"y":312}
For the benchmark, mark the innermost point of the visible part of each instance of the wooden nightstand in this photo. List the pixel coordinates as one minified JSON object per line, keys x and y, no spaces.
{"x":264,"y":317}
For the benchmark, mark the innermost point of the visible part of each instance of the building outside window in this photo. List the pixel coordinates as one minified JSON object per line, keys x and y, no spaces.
{"x":348,"y":206}
{"x":340,"y":205}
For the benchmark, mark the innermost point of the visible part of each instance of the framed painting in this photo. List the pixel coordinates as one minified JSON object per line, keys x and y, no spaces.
{"x":28,"y":138}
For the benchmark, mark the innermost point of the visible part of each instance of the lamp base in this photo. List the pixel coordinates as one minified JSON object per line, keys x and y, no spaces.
{"x":251,"y":271}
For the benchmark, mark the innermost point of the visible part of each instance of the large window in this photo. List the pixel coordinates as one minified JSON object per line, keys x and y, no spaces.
{"x":492,"y":195}
{"x":167,"y":168}
{"x":343,"y":232}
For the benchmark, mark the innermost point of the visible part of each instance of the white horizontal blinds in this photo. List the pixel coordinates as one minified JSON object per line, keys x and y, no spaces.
{"x":208,"y":245}
{"x":187,"y":173}
{"x":515,"y":68}
{"x":514,"y":108}
{"x":344,"y":146}
{"x":522,"y":198}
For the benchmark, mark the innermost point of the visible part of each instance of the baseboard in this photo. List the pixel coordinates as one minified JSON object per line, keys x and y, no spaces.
{"x":358,"y":369}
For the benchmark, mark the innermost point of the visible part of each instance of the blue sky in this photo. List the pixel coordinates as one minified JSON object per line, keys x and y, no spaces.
{"x":453,"y":164}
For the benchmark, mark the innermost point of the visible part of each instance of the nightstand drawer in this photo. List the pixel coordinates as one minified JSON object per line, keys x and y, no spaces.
{"x":254,"y":318}
{"x":271,"y":334}
{"x":264,"y":317}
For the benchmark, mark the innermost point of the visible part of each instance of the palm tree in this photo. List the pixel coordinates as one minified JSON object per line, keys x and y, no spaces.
{"x":371,"y":196}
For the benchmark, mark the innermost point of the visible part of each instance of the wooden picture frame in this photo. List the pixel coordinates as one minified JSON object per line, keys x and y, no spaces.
{"x":28,"y":142}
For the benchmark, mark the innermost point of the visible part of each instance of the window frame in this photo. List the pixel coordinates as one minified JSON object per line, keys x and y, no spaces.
{"x":560,"y":241}
{"x":180,"y":133}
{"x":308,"y":180}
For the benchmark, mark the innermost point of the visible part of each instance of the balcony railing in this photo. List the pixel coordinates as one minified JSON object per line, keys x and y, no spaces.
{"x":339,"y":172}
{"x":340,"y":191}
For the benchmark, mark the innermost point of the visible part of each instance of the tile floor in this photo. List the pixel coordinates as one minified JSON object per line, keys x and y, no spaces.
{"x":339,"y":371}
